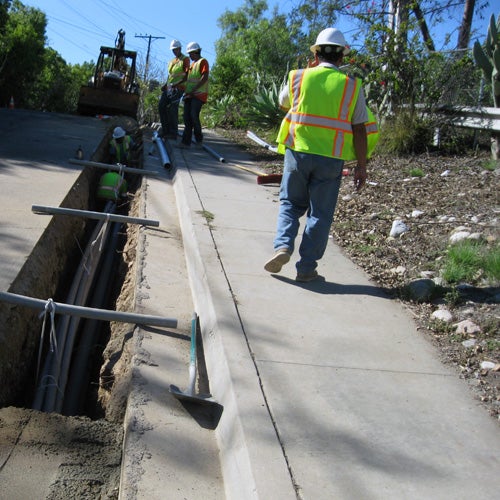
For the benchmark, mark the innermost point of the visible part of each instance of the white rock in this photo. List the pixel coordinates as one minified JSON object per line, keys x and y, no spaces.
{"x":417,"y":213}
{"x":469,"y":343}
{"x":467,"y":326}
{"x":442,"y":315}
{"x":347,"y":197}
{"x":446,"y":173}
{"x":475,"y":236}
{"x":398,"y":228}
{"x":398,"y":270}
{"x":487,"y":365}
{"x":460,"y":236}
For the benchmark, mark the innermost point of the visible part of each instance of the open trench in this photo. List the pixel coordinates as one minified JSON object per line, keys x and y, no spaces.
{"x":85,"y":430}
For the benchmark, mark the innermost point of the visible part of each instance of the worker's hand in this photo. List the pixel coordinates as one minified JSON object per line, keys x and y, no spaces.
{"x":359,"y":177}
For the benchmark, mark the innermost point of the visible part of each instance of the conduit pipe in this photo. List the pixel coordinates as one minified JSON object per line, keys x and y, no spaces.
{"x":89,"y":312}
{"x":117,"y":168}
{"x":38,"y":209}
{"x":214,"y":153}
{"x":165,"y":160}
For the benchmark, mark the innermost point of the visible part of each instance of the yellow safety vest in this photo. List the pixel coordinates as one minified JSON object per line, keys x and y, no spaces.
{"x":176,"y":70}
{"x":194,"y":78}
{"x":121,"y":149}
{"x":321,"y":124}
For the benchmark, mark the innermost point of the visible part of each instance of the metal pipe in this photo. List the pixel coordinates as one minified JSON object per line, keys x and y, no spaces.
{"x":214,"y":153}
{"x":93,"y":215}
{"x":109,"y":166}
{"x":89,"y":312}
{"x":165,"y":160}
{"x":261,"y":142}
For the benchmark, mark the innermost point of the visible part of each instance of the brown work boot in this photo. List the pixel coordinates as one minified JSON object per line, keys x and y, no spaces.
{"x":306,"y":277}
{"x":278,"y":260}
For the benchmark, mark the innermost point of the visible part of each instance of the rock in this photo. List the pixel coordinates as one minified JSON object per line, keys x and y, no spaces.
{"x":421,"y":290}
{"x":469,"y":343}
{"x":442,"y":315}
{"x":417,"y":213}
{"x":398,"y":270}
{"x":446,"y":173}
{"x":398,"y":228}
{"x":487,"y":365}
{"x":460,"y":236}
{"x":475,"y":236}
{"x":467,"y":326}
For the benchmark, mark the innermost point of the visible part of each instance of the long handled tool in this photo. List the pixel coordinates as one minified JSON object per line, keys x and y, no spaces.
{"x":262,"y":178}
{"x":189,"y":394}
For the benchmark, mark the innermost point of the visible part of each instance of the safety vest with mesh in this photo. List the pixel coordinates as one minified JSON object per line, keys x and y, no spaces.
{"x":176,"y":71}
{"x":194,"y":78}
{"x":121,"y":149}
{"x":111,"y":186}
{"x":320,"y":123}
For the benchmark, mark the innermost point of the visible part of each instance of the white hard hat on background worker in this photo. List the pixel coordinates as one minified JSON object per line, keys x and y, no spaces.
{"x":330,"y":36}
{"x":118,"y":133}
{"x":192,"y":47}
{"x":175,"y":44}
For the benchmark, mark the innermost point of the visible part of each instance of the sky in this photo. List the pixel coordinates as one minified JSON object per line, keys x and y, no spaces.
{"x":76,"y":30}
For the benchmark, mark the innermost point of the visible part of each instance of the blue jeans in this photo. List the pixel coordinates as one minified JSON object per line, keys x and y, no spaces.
{"x":192,"y":124}
{"x":168,"y":108}
{"x":311,"y":184}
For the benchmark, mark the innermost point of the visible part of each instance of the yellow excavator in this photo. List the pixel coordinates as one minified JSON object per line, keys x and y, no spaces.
{"x":112,"y":90}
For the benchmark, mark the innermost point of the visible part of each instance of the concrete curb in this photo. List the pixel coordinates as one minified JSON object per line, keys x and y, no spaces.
{"x":228,"y":360}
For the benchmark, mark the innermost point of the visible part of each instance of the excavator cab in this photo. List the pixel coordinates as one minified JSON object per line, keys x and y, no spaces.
{"x":113,"y":89}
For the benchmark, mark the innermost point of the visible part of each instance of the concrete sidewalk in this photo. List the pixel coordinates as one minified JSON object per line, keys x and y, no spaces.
{"x":328,"y":389}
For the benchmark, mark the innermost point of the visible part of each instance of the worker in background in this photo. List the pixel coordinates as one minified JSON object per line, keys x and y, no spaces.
{"x":324,"y":126}
{"x":172,"y":91}
{"x":195,"y":95}
{"x":121,"y":147}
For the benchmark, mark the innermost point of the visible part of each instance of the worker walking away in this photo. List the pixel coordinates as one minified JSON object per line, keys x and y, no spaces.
{"x":172,"y":91}
{"x":121,"y":147}
{"x":195,"y":95}
{"x":323,"y":127}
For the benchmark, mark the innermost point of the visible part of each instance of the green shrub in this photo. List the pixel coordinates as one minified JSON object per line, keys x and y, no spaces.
{"x":405,"y":134}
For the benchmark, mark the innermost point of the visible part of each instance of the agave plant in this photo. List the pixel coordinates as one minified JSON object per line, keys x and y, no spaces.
{"x":264,"y":111}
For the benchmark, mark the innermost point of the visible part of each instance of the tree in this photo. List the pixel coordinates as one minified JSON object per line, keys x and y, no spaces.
{"x":23,"y":44}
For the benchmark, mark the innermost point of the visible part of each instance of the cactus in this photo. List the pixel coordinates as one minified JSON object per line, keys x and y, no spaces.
{"x":487,"y":57}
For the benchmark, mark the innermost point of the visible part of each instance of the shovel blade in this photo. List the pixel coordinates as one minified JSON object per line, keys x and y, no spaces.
{"x":192,"y":398}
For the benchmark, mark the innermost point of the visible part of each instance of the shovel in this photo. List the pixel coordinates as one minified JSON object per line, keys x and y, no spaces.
{"x":189,"y":395}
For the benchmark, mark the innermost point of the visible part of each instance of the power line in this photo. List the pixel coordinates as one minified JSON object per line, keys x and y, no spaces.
{"x":149,"y":37}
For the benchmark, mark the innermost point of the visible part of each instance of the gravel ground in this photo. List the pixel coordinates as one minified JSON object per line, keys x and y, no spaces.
{"x":452,"y":192}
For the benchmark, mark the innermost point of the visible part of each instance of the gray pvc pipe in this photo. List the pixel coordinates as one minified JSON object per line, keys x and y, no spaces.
{"x":88,"y":312}
{"x":214,"y":153}
{"x":165,"y":160}
{"x":109,"y":166}
{"x":93,"y":215}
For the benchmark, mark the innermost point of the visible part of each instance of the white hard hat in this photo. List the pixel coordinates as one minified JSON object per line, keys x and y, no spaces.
{"x":330,"y":36}
{"x":192,"y":47}
{"x":175,"y":44}
{"x":118,"y":132}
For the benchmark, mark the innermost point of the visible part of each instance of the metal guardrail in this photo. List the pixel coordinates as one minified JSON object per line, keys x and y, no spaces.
{"x":471,"y":117}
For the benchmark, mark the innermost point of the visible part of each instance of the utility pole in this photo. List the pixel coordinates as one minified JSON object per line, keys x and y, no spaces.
{"x":149,"y":37}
